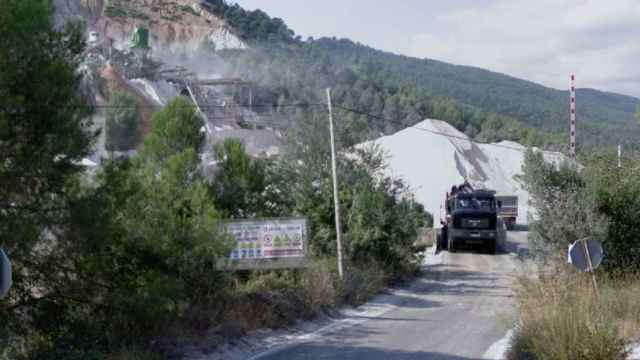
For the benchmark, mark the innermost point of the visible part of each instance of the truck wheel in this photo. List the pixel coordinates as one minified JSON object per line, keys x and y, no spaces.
{"x":492,"y":248}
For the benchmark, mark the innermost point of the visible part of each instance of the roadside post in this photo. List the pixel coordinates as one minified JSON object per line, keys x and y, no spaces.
{"x":336,"y":200}
{"x":586,"y":255}
{"x":5,"y":274}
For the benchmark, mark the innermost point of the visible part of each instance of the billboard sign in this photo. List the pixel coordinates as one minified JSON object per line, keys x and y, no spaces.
{"x":268,"y":243}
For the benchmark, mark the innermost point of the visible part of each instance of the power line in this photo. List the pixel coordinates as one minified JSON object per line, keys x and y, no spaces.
{"x":440,"y":133}
{"x":211,"y":106}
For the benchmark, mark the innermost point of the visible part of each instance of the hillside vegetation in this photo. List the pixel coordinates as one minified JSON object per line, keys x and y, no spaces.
{"x":561,"y":317}
{"x":403,"y":90}
{"x":370,"y":99}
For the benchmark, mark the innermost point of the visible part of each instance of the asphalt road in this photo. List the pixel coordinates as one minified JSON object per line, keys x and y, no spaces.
{"x":460,"y":307}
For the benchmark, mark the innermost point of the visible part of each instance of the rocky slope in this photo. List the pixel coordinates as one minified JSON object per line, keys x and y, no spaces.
{"x":177,"y":25}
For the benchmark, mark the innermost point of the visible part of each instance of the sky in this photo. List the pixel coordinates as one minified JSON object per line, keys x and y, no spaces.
{"x":539,"y":40}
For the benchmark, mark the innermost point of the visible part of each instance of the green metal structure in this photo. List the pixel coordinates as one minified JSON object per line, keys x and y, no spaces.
{"x":140,"y":38}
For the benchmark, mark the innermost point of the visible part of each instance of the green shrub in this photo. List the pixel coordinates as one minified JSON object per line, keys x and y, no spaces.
{"x":319,"y":286}
{"x":598,"y":200}
{"x":277,"y":298}
{"x":362,"y":282}
{"x":562,"y":319}
{"x":618,"y":193}
{"x":266,"y":299}
{"x":122,"y":122}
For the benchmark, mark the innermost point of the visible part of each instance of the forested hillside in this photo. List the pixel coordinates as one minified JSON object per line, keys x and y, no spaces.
{"x":605,"y":118}
{"x":401,"y":90}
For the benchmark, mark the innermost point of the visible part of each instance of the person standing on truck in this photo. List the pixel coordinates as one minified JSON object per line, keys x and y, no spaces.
{"x":465,"y":186}
{"x":441,"y":242}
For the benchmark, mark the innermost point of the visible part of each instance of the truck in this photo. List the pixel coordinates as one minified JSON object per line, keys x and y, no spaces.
{"x":471,"y":220}
{"x":508,"y":209}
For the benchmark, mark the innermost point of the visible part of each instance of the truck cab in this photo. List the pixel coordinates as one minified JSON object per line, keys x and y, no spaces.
{"x":471,"y":220}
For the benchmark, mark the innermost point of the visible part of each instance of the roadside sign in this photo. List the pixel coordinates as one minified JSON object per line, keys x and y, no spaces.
{"x":581,"y":251}
{"x":5,"y":274}
{"x":586,"y":254}
{"x":267,"y":244}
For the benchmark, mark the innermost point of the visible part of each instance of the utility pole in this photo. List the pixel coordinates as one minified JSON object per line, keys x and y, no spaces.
{"x":572,"y":155}
{"x":5,"y":274}
{"x":572,"y":127}
{"x":336,"y":200}
{"x":619,"y":155}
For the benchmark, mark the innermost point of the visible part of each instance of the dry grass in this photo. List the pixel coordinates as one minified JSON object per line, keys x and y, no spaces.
{"x":277,"y":298}
{"x":362,"y":283}
{"x":561,"y":318}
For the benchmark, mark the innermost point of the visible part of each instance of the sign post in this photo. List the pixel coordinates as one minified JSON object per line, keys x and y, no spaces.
{"x":5,"y":274}
{"x":586,"y":254}
{"x":585,"y":249}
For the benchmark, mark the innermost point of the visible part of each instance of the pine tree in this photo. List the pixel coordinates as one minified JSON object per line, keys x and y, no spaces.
{"x":44,"y":135}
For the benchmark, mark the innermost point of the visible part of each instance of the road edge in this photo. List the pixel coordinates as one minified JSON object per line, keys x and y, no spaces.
{"x":377,"y":306}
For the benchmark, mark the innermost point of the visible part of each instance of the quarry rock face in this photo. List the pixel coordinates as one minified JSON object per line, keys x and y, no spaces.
{"x":173,"y":34}
{"x":181,"y":26}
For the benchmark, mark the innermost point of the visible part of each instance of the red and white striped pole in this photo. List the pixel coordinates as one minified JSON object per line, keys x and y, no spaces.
{"x":572,"y":136}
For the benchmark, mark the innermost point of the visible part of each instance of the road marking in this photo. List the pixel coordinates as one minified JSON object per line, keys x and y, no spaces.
{"x":498,"y":350}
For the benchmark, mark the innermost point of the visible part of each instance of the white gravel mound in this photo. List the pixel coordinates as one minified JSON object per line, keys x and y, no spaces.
{"x":432,"y":156}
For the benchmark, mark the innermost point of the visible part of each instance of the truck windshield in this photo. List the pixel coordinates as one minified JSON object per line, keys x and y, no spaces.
{"x":475,"y":203}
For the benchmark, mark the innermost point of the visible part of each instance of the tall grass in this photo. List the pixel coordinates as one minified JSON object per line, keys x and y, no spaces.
{"x":562,"y":318}
{"x":278,"y":298}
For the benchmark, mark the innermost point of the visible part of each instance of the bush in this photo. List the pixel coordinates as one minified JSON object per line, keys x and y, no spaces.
{"x":319,"y":286}
{"x":322,"y":288}
{"x":122,"y":122}
{"x":618,"y":194}
{"x":279,"y":297}
{"x":362,"y":282}
{"x":561,"y":318}
{"x":598,"y":200}
{"x":136,"y":255}
{"x":240,"y":182}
